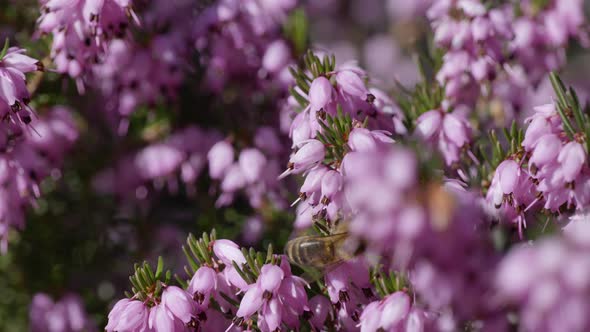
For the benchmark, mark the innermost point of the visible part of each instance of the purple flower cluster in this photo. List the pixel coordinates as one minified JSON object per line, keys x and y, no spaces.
{"x":501,"y":51}
{"x":246,"y":30}
{"x":14,"y":96}
{"x":342,"y":93}
{"x":66,"y":315}
{"x":182,"y":156}
{"x":474,"y":37}
{"x":275,"y":299}
{"x":551,"y":173}
{"x":26,"y":158}
{"x":254,"y":172}
{"x":449,"y":132}
{"x":394,"y":313}
{"x":81,"y":30}
{"x":436,"y":233}
{"x":547,"y":283}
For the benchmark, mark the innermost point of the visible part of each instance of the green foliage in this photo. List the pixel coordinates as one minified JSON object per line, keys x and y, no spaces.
{"x":335,"y":135}
{"x":428,"y":94}
{"x":568,"y":106}
{"x":387,"y":282}
{"x":147,"y":285}
{"x":296,"y":30}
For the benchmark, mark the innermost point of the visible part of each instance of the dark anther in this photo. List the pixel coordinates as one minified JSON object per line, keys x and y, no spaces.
{"x":267,"y":295}
{"x":368,"y":292}
{"x":370,"y":98}
{"x":202,"y":316}
{"x":322,"y":114}
{"x":343,"y":296}
{"x":26,"y":119}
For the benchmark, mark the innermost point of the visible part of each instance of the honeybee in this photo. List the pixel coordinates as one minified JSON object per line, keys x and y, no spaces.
{"x":319,"y":252}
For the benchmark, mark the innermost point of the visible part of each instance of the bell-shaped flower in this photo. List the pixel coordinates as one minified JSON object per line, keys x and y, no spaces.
{"x":351,"y":83}
{"x":221,"y":157}
{"x":308,"y":155}
{"x":202,"y":283}
{"x":179,"y":303}
{"x":546,"y":150}
{"x":270,"y":277}
{"x":320,"y":93}
{"x":277,"y":56}
{"x":429,"y":124}
{"x":320,"y":307}
{"x":227,"y":251}
{"x":252,"y":163}
{"x":331,"y":184}
{"x":251,"y":302}
{"x":134,"y":317}
{"x":571,"y":159}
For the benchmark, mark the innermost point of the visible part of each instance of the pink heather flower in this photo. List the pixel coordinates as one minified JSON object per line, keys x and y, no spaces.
{"x":428,"y":124}
{"x":332,"y":183}
{"x":277,"y":56}
{"x":277,"y":296}
{"x":160,"y":319}
{"x":178,"y":302}
{"x":220,"y":157}
{"x":313,"y":181}
{"x":310,"y":154}
{"x":511,"y":192}
{"x":450,"y":132}
{"x":158,"y":160}
{"x":364,"y":140}
{"x":128,"y":315}
{"x":546,"y":282}
{"x":320,"y":93}
{"x":546,"y":150}
{"x":227,"y":251}
{"x":202,"y":283}
{"x":389,"y":314}
{"x":13,"y":90}
{"x":252,"y":163}
{"x":351,"y":83}
{"x":320,"y":307}
{"x":572,"y":158}
{"x":67,"y":314}
{"x":234,"y":179}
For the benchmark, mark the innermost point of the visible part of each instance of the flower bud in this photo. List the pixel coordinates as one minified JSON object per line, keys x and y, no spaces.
{"x":252,"y":163}
{"x":178,"y":302}
{"x":320,"y":93}
{"x":351,"y":83}
{"x":429,"y":124}
{"x":227,"y":251}
{"x":203,"y":281}
{"x":331,"y":183}
{"x":572,"y":158}
{"x":270,"y":277}
{"x":276,"y":57}
{"x":251,"y":302}
{"x":361,"y":139}
{"x":394,"y":310}
{"x":546,"y":151}
{"x":310,"y":154}
{"x":508,"y":175}
{"x":220,"y":157}
{"x":234,"y":179}
{"x":320,"y":306}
